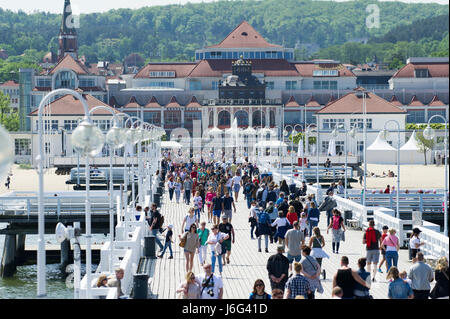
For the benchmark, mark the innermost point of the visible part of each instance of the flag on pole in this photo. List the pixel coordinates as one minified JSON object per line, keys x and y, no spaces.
{"x":300,"y":149}
{"x":332,"y":148}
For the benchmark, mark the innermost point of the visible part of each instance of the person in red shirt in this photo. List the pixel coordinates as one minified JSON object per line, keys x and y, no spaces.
{"x":292,"y":215}
{"x":387,"y":190}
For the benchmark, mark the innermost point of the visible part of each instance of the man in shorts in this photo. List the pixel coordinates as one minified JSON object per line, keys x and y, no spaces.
{"x":217,"y":207}
{"x":372,"y":240}
{"x":227,"y":228}
{"x":227,"y":204}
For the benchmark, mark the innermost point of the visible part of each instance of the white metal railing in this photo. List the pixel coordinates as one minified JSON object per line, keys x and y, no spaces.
{"x":382,"y":219}
{"x":436,"y":244}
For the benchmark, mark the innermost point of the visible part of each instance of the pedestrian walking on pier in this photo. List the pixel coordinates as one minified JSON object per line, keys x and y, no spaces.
{"x":189,"y":289}
{"x":392,"y":247}
{"x":398,"y":288}
{"x":421,"y":275}
{"x":278,"y":269}
{"x":294,"y":240}
{"x":297,"y":285}
{"x":372,"y":240}
{"x":263,"y":227}
{"x":203,"y":234}
{"x":338,"y":230}
{"x":189,"y":219}
{"x":171,"y":186}
{"x":383,"y":249}
{"x":415,"y":243}
{"x":362,"y":292}
{"x":191,"y":245}
{"x":316,"y":243}
{"x":8,"y":182}
{"x":327,"y":205}
{"x":177,"y":187}
{"x":311,"y":270}
{"x":168,"y":242}
{"x":216,"y":237}
{"x":252,"y":218}
{"x":346,"y":278}
{"x":226,"y":228}
{"x":211,"y":286}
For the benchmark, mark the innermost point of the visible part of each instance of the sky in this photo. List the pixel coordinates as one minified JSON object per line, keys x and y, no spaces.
{"x":89,"y":6}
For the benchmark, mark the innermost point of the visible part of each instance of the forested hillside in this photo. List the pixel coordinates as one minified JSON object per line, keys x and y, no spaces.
{"x":173,"y":32}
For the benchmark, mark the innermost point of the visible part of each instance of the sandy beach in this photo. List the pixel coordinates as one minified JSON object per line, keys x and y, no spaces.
{"x":411,"y":177}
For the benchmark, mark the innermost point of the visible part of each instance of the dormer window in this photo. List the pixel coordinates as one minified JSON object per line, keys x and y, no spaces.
{"x":65,"y":79}
{"x":422,"y":73}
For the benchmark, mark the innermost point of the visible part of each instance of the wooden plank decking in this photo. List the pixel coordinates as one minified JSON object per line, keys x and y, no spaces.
{"x":247,"y":264}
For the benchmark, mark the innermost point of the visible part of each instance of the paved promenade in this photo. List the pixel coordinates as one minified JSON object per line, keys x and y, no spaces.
{"x":247,"y":264}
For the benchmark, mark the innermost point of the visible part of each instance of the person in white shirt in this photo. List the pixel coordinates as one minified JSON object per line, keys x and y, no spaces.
{"x":236,"y":184}
{"x":216,"y":237}
{"x":211,"y":286}
{"x":415,"y":243}
{"x":189,"y":220}
{"x":282,"y":225}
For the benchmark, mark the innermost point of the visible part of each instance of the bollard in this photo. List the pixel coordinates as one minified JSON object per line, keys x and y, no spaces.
{"x":149,"y":247}
{"x":140,"y":286}
{"x":348,"y":214}
{"x":159,"y":190}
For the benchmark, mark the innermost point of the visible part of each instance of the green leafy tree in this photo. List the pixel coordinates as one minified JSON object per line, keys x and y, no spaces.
{"x":8,"y":118}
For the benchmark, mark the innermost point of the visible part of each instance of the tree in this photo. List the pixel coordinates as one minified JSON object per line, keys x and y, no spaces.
{"x":10,"y":120}
{"x":424,"y":145}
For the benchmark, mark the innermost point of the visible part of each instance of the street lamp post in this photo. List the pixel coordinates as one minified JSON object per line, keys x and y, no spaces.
{"x":398,"y":163}
{"x":429,"y":134}
{"x":87,"y":140}
{"x":352,"y":133}
{"x":115,"y":139}
{"x":294,"y":131}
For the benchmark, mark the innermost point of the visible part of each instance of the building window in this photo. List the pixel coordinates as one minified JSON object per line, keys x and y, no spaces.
{"x":270,"y":85}
{"x":195,"y":85}
{"x":340,"y":148}
{"x":172,"y":118}
{"x":214,"y":85}
{"x":22,"y":146}
{"x":293,"y":117}
{"x":211,"y":119}
{"x":152,"y":117}
{"x":242,"y":118}
{"x":421,"y":73}
{"x":325,"y":85}
{"x":416,"y":116}
{"x":43,"y":82}
{"x":436,"y":112}
{"x":291,"y":85}
{"x":325,"y":147}
{"x":70,"y":125}
{"x":190,"y":117}
{"x":224,"y":118}
{"x":325,"y":72}
{"x":329,"y":124}
{"x":259,"y":117}
{"x":163,"y":84}
{"x":310,"y":118}
{"x":87,"y":83}
{"x":65,"y":79}
{"x":48,"y":125}
{"x":104,"y":125}
{"x":272,"y":118}
{"x":359,"y":123}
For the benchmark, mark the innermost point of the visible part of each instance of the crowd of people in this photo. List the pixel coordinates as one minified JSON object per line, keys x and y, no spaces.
{"x":288,"y":217}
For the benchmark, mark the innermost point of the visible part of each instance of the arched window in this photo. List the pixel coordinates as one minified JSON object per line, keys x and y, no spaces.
{"x":257,"y":117}
{"x":65,"y":80}
{"x":242,"y":118}
{"x":224,"y":118}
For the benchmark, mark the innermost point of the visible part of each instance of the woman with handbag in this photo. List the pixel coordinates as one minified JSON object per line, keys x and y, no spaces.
{"x":338,"y":229}
{"x":392,"y":247}
{"x":215,"y":241}
{"x":189,"y":289}
{"x":311,"y":270}
{"x":190,"y":242}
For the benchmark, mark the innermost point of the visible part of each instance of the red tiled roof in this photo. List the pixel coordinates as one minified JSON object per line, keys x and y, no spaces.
{"x":132,"y":104}
{"x":292,"y":102}
{"x":69,"y":63}
{"x":436,"y":102}
{"x":244,"y":36}
{"x":68,"y":105}
{"x":332,"y":99}
{"x":395,"y":101}
{"x":10,"y":83}
{"x":193,"y":102}
{"x":435,"y":70}
{"x":306,"y":68}
{"x":181,"y":69}
{"x":270,"y":67}
{"x":350,"y":103}
{"x":173,"y":102}
{"x":153,"y":103}
{"x":312,"y":103}
{"x":415,"y":102}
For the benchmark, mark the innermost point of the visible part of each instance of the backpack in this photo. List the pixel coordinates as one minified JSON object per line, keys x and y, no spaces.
{"x":263,"y":218}
{"x":247,"y":188}
{"x":259,"y":194}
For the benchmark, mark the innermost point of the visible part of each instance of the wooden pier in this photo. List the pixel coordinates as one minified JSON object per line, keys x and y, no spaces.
{"x":247,"y":264}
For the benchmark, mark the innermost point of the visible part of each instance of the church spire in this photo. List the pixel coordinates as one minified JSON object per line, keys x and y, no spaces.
{"x":68,"y":34}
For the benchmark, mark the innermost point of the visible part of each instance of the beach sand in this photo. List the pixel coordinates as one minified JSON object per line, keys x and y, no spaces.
{"x":411,"y":177}
{"x":27,"y":180}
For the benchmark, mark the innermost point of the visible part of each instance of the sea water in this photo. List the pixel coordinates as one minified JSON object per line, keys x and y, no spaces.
{"x":23,"y":285}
